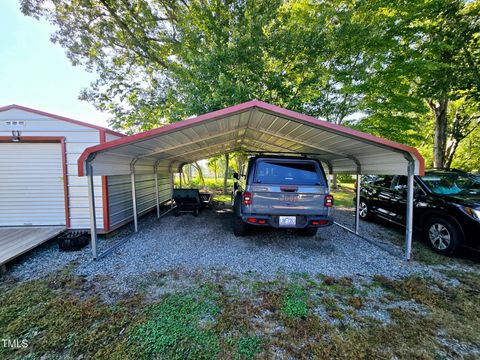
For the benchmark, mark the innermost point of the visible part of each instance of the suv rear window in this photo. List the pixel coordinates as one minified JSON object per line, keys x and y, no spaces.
{"x":283,"y":172}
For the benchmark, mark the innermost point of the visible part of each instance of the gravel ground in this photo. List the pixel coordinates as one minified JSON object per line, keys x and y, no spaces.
{"x":207,"y":242}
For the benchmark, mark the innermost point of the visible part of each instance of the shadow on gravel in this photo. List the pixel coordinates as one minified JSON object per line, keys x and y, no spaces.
{"x":284,"y":239}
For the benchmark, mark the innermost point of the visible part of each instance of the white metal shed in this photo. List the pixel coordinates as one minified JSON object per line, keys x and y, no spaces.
{"x":252,"y":126}
{"x":39,"y":182}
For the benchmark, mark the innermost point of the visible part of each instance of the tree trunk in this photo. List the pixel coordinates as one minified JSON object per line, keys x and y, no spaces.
{"x":200,"y":173}
{"x":225,"y":178}
{"x":440,"y":135}
{"x":334,"y":181}
{"x":451,"y":154}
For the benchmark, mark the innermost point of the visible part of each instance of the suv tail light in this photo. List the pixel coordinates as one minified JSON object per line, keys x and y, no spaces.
{"x":319,"y":222}
{"x":329,"y":200}
{"x":247,"y":198}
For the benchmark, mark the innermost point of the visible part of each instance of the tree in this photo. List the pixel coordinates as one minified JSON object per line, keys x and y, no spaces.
{"x":426,"y":51}
{"x":392,"y":68}
{"x":468,"y":155}
{"x":160,"y":61}
{"x":464,"y":120}
{"x":213,"y":166}
{"x":225,"y":177}
{"x":198,"y":168}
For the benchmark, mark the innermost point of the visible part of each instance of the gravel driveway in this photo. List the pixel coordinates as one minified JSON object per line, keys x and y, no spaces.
{"x":207,"y":242}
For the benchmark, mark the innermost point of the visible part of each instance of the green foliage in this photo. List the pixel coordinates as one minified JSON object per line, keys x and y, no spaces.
{"x":343,"y":196}
{"x":348,"y":179}
{"x":468,"y":155}
{"x":249,"y":346}
{"x":243,"y":318}
{"x":210,"y":184}
{"x":179,"y":327}
{"x":390,"y":68}
{"x":294,"y":303}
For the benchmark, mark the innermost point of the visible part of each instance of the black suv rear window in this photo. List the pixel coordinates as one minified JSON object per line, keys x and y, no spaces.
{"x":283,"y":172}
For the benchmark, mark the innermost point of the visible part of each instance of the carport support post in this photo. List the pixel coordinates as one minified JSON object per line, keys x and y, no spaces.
{"x":409,"y":231}
{"x":91,"y":203}
{"x":134,"y":196}
{"x":155,"y":169}
{"x":357,"y":205}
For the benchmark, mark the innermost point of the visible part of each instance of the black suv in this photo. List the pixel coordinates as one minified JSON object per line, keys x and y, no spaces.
{"x":446,"y":206}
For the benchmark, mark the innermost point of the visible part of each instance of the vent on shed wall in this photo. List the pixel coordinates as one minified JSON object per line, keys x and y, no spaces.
{"x":14,"y":123}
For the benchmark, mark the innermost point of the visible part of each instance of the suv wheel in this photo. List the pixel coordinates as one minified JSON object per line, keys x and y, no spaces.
{"x":239,"y":227}
{"x":311,"y":231}
{"x":364,"y":210}
{"x":444,"y":236}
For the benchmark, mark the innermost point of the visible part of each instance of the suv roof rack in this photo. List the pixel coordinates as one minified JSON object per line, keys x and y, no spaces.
{"x":261,"y":153}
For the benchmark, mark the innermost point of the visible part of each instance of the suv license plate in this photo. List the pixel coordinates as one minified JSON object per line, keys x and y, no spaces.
{"x":287,"y":221}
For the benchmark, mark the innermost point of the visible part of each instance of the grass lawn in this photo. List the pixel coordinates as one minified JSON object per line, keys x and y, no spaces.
{"x":343,"y":196}
{"x":240,"y":317}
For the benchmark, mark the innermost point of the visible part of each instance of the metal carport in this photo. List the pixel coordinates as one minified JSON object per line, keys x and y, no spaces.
{"x":251,"y":126}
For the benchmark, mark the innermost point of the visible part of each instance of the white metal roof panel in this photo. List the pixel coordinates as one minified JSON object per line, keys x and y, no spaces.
{"x":251,"y":126}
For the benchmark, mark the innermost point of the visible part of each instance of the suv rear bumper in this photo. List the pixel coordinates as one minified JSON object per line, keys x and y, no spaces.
{"x":302,"y":221}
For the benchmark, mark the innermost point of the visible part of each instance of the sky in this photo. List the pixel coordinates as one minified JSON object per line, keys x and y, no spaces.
{"x":36,"y":73}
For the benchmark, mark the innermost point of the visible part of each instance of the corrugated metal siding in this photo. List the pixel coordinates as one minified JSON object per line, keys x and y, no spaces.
{"x":120,"y":195}
{"x":31,"y":184}
{"x":77,"y":139}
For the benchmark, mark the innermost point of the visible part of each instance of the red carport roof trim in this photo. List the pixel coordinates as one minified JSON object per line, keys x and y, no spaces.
{"x":58,"y":117}
{"x":309,"y":120}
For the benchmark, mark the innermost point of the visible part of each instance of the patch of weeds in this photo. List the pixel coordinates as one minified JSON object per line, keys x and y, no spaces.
{"x":248,"y":347}
{"x":332,"y":308}
{"x":294,"y":303}
{"x":54,"y":321}
{"x":356,"y":302}
{"x":342,"y":286}
{"x":271,"y":300}
{"x":235,"y":315}
{"x":412,"y":288}
{"x":453,"y":309}
{"x":180,"y":326}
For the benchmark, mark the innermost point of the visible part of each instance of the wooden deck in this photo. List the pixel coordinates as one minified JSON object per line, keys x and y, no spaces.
{"x":15,"y":241}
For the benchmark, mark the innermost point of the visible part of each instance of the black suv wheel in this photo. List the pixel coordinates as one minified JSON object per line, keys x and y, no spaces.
{"x":364,"y":210}
{"x":443,"y":235}
{"x":239,"y":227}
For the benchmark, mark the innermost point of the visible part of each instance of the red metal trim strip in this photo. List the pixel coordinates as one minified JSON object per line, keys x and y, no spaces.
{"x":51,"y":139}
{"x":309,"y":120}
{"x":58,"y":117}
{"x":105,"y":203}
{"x":46,"y":139}
{"x":65,"y":183}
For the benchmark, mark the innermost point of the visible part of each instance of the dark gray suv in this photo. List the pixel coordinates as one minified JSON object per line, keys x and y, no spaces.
{"x":282,"y":192}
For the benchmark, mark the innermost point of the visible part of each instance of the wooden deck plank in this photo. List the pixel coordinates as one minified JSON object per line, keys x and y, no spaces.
{"x":15,"y":241}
